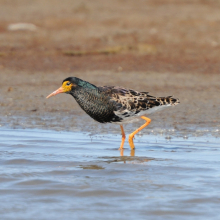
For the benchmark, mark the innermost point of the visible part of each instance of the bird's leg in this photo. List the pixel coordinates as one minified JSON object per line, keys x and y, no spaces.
{"x":123,"y":138}
{"x":131,"y":136}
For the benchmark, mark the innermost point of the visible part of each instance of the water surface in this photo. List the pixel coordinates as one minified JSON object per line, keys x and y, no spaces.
{"x":70,"y":175}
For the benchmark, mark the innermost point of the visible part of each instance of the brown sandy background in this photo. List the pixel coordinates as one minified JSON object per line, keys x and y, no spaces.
{"x":164,"y":47}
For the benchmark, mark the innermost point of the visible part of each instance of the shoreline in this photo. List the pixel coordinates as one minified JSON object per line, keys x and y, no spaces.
{"x":24,"y":98}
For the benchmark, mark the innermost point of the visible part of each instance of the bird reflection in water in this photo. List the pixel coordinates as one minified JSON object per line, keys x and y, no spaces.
{"x":132,"y":152}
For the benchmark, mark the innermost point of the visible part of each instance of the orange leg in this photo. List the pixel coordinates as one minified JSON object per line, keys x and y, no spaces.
{"x":131,"y":136}
{"x":123,"y":138}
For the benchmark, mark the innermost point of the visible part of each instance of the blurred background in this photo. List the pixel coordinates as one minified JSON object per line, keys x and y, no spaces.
{"x":168,"y":47}
{"x":144,"y":35}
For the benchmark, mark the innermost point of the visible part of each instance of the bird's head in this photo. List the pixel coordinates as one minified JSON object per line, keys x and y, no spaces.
{"x":68,"y":85}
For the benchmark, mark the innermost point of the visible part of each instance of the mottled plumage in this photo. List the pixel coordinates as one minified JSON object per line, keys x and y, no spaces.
{"x":131,"y":103}
{"x":113,"y":104}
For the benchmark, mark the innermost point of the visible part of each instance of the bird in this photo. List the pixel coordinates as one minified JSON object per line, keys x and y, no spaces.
{"x":114,"y":104}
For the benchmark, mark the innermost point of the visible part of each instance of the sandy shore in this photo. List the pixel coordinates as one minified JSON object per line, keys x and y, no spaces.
{"x":23,"y":102}
{"x":163,"y":47}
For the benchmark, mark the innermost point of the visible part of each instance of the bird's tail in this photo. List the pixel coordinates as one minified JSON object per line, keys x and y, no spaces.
{"x":169,"y":100}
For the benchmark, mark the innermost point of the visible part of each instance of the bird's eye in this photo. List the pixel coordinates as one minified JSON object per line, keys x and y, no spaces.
{"x":68,"y":83}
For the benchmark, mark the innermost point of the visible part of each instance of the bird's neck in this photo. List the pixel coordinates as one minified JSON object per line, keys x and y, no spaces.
{"x":86,"y":94}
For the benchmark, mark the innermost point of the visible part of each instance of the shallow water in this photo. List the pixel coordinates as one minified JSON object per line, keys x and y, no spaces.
{"x":70,"y":175}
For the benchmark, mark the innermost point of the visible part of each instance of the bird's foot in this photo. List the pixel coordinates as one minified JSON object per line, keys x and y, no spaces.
{"x":121,"y":147}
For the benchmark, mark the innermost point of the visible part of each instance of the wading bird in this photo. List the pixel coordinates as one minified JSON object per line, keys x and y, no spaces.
{"x":114,"y":104}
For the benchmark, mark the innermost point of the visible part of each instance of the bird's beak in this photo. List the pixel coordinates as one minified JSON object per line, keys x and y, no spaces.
{"x":60,"y":90}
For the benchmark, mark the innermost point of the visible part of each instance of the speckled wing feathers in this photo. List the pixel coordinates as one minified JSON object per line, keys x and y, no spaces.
{"x":133,"y":103}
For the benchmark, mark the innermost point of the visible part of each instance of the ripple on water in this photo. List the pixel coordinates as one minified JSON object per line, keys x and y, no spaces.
{"x":55,"y":175}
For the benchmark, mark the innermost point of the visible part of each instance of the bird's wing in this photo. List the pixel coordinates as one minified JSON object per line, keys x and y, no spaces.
{"x":129,"y":99}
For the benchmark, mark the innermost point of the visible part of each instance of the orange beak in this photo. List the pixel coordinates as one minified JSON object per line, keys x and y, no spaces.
{"x":60,"y":90}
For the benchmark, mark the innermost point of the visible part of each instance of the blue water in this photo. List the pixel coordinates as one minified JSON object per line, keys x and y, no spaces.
{"x":67,"y":175}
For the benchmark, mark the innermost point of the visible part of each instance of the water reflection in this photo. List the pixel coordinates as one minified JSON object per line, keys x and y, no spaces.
{"x":60,"y":171}
{"x":132,"y":152}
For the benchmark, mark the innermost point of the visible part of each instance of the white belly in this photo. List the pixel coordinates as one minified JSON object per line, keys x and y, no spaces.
{"x":132,"y":117}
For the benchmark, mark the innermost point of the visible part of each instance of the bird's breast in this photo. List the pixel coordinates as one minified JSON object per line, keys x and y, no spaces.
{"x":97,"y":106}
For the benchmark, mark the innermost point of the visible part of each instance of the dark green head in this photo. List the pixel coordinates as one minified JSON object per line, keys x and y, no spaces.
{"x":70,"y":84}
{"x":76,"y":82}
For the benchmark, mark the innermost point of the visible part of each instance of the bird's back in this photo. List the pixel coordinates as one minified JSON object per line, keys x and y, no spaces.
{"x":131,"y":103}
